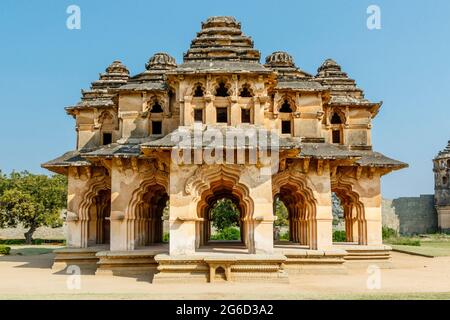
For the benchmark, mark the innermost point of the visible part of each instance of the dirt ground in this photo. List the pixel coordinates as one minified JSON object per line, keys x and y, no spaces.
{"x":30,"y":277}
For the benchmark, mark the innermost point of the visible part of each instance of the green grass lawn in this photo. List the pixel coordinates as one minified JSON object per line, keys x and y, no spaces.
{"x":433,"y":249}
{"x":431,"y":245}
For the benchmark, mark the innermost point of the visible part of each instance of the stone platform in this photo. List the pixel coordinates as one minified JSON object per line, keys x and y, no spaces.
{"x":211,"y":267}
{"x":362,"y":256}
{"x":222,"y":262}
{"x":299,"y":259}
{"x":85,"y":258}
{"x":128,"y":263}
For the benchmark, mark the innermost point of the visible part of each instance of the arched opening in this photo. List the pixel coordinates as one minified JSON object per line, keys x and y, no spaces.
{"x":444,"y":181}
{"x":349,"y":224}
{"x":292,"y":211}
{"x":336,"y":118}
{"x":286,"y":107}
{"x":156,"y":108}
{"x":246,"y":91}
{"x":172,"y":100}
{"x":99,"y":223}
{"x":224,"y":206}
{"x":224,"y":219}
{"x":281,"y":224}
{"x":107,"y":128}
{"x":148,"y":216}
{"x":198,"y":92}
{"x":337,"y":130}
{"x":222,"y":90}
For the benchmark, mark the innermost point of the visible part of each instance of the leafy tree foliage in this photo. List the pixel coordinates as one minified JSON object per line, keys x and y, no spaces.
{"x":282,"y":213}
{"x":31,"y":200}
{"x":225,"y":214}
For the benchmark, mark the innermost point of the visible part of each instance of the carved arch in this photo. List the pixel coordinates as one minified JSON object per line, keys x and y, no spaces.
{"x":354,"y":212}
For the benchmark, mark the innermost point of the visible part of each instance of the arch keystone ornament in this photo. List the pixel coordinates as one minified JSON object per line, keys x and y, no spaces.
{"x":138,"y":203}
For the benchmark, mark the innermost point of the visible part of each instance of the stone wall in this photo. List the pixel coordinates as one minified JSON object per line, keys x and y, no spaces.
{"x":389,"y":217}
{"x":410,"y":215}
{"x":41,"y":233}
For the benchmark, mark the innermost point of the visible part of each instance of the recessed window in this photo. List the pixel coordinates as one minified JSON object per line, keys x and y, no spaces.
{"x":222,"y":90}
{"x":198,"y":115}
{"x":107,"y":138}
{"x":156,"y":108}
{"x":286,"y":107}
{"x":444,"y":181}
{"x":245,"y":92}
{"x":336,"y":136}
{"x":285,"y":127}
{"x":336,"y":119}
{"x":245,"y":115}
{"x":222,"y":115}
{"x":198,"y":91}
{"x":156,"y":127}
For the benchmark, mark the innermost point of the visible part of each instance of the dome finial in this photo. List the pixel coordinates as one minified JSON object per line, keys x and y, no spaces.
{"x":161,"y":60}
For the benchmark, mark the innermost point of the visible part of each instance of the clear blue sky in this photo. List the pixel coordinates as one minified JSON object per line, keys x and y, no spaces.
{"x":44,"y":65}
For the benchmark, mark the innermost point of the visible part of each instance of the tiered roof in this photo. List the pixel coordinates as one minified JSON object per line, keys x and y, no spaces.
{"x":445,"y":153}
{"x":100,"y":94}
{"x":154,"y":77}
{"x":289,"y":76}
{"x":221,"y":46}
{"x":344,"y":91}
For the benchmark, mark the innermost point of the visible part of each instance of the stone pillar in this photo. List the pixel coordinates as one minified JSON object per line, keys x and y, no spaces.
{"x":75,"y":189}
{"x":121,"y":189}
{"x":263,"y":217}
{"x":369,"y":190}
{"x":235,"y":112}
{"x":321,"y":228}
{"x":188,"y":118}
{"x":210,"y":110}
{"x":182,"y":212}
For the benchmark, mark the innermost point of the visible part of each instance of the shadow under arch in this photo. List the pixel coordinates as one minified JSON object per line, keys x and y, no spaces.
{"x":213,"y":183}
{"x":354,"y":214}
{"x":293,"y":190}
{"x":143,"y":215}
{"x":94,"y":210}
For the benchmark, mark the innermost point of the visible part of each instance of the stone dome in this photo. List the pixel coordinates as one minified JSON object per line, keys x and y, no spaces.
{"x":280,"y":59}
{"x":117,"y":67}
{"x":161,"y":60}
{"x":329,"y":65}
{"x":221,"y":38}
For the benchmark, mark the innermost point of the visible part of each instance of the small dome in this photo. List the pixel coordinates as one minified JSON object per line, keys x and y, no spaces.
{"x":328,"y":65}
{"x":117,"y":68}
{"x":161,"y":60}
{"x":221,"y":21}
{"x":280,"y":59}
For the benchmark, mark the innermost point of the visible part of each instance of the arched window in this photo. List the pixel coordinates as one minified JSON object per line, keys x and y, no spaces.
{"x":222,"y":90}
{"x":286,"y":107}
{"x":245,"y":91}
{"x":156,"y":108}
{"x":198,"y":91}
{"x":444,"y":181}
{"x":336,"y":119}
{"x":171,"y":100}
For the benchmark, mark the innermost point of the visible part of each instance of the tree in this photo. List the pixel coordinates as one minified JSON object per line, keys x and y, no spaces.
{"x":282,"y":214}
{"x":225,"y":214}
{"x":32,"y":200}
